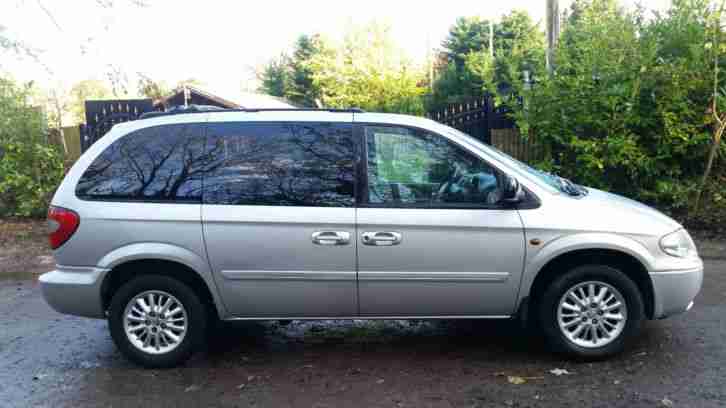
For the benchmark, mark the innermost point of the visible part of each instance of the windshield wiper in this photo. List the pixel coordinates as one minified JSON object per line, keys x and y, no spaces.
{"x":563,"y":184}
{"x":569,"y":187}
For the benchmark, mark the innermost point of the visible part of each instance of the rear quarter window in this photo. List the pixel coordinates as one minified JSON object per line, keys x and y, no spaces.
{"x":156,"y":164}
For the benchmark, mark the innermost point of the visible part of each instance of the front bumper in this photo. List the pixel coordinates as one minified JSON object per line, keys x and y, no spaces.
{"x":675,"y":290}
{"x":74,"y":290}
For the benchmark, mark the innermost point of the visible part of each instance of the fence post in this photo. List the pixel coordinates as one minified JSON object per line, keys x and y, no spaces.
{"x":490,"y":120}
{"x":82,"y":135}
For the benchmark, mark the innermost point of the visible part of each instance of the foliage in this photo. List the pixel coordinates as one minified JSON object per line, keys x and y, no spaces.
{"x":364,"y":70}
{"x":30,"y":168}
{"x":467,"y":35}
{"x":303,"y":90}
{"x":291,"y":77}
{"x":275,"y":77}
{"x":717,"y":97}
{"x":710,"y":215}
{"x":66,"y":107}
{"x":626,"y":107}
{"x":519,"y":52}
{"x":471,"y":71}
{"x":454,"y":85}
{"x":88,"y":89}
{"x":369,"y":71}
{"x":152,"y":89}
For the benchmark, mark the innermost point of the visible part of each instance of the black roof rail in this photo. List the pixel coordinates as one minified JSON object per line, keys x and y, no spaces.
{"x":178,"y":110}
{"x":340,"y":110}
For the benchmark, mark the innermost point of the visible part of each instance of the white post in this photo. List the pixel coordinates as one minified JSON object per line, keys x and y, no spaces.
{"x":491,"y":38}
{"x":553,"y":32}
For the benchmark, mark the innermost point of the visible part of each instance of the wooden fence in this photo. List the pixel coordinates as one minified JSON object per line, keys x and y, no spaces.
{"x":490,"y":124}
{"x":512,"y":143}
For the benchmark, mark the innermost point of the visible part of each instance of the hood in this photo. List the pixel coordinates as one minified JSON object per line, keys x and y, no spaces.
{"x":612,"y":212}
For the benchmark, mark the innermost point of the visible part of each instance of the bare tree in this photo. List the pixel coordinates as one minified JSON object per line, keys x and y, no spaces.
{"x":119,"y":80}
{"x":58,"y":103}
{"x":10,"y":44}
{"x":719,"y":118}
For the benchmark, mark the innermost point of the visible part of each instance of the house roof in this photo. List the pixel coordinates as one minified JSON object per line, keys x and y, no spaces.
{"x":237,"y":100}
{"x":257,"y":100}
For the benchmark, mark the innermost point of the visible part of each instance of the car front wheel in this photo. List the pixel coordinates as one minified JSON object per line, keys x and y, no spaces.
{"x":591,"y":311}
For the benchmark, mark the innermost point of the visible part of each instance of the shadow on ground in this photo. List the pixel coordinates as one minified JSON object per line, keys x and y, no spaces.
{"x":500,"y":339}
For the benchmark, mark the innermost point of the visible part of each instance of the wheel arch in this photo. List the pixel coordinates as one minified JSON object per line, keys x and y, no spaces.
{"x":632,"y":261}
{"x":126,"y":262}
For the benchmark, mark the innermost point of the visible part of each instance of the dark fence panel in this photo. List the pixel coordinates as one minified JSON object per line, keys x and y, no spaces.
{"x":492,"y":125}
{"x":476,"y":117}
{"x":102,"y":115}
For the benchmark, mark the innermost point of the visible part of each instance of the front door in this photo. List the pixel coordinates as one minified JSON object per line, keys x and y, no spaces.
{"x":279,"y":218}
{"x":433,"y":237}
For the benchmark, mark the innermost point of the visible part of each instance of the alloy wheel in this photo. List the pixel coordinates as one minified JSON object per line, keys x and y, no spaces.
{"x":592,"y":314}
{"x":155,"y":322}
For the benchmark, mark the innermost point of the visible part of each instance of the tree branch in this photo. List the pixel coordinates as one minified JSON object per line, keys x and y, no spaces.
{"x":50,"y":15}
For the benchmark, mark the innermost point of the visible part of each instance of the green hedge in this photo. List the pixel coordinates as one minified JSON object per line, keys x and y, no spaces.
{"x":627,"y":107}
{"x":30,"y":167}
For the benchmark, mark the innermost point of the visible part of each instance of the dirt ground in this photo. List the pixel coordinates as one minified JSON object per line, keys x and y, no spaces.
{"x":24,"y":247}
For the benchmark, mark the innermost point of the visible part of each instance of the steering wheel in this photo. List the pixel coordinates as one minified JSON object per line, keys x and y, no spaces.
{"x":453,"y":178}
{"x":471,"y":187}
{"x":494,"y":193}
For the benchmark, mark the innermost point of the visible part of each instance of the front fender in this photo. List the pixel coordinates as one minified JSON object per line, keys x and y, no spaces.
{"x":165,"y":252}
{"x":556,"y":246}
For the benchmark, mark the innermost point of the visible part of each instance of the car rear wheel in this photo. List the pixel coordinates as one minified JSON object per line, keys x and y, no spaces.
{"x":591,"y":311}
{"x":157,"y":321}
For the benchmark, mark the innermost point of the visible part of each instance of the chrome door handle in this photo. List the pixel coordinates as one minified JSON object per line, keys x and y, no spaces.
{"x":382,"y":238}
{"x":331,"y":237}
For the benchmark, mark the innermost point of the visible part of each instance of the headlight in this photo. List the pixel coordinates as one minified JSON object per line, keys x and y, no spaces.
{"x":678,"y":243}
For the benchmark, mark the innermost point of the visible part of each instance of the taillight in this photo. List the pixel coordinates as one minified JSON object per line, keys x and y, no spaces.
{"x":62,"y":223}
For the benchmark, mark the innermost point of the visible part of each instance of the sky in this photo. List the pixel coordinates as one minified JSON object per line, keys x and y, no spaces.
{"x":217,"y":42}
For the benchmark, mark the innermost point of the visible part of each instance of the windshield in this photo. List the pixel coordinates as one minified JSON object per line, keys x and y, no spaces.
{"x":549,"y":179}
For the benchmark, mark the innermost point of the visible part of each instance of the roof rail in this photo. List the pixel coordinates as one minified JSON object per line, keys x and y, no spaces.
{"x":340,"y":110}
{"x":178,"y":110}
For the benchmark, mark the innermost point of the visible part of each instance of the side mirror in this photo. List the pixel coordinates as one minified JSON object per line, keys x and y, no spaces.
{"x":511,"y":190}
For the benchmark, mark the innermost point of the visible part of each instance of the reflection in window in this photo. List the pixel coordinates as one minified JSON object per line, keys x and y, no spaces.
{"x":161,"y":163}
{"x":412,"y":168}
{"x":305,"y":164}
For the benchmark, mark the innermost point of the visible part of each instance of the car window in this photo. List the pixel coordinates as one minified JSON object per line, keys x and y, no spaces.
{"x":412,"y":168}
{"x":546,"y":180}
{"x":161,"y":163}
{"x":286,"y":164}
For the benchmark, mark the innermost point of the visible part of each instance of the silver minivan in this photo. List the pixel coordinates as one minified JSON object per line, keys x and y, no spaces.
{"x":167,"y":223}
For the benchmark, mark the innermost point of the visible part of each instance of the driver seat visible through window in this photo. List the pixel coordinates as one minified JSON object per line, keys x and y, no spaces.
{"x":412,"y":168}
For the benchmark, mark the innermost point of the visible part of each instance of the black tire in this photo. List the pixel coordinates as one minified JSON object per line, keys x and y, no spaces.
{"x":196,"y":324}
{"x":602,"y":273}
